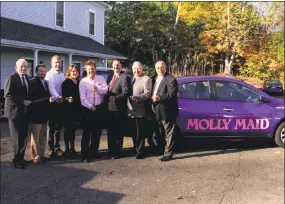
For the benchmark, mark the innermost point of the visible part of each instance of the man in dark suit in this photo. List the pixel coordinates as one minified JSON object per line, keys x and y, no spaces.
{"x":38,"y":113}
{"x":138,"y":107}
{"x":16,"y":93}
{"x":165,"y":106}
{"x":116,"y":102}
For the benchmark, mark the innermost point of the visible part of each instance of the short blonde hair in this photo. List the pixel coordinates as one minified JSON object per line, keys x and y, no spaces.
{"x":67,"y":74}
{"x":89,"y":62}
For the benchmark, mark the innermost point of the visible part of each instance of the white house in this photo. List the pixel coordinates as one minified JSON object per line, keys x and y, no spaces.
{"x":36,"y":31}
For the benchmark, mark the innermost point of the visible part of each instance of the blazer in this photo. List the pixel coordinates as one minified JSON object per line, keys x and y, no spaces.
{"x":39,"y":112}
{"x":14,"y":97}
{"x":142,"y":90}
{"x":167,"y":107}
{"x":120,"y":91}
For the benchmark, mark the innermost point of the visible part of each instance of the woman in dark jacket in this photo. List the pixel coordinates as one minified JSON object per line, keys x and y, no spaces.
{"x":72,"y":105}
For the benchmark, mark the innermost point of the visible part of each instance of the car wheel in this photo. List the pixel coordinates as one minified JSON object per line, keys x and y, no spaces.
{"x":280,"y":135}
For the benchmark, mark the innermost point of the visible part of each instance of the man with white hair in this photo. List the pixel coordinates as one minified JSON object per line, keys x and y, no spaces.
{"x":138,"y":106}
{"x":16,"y":93}
{"x":55,"y":79}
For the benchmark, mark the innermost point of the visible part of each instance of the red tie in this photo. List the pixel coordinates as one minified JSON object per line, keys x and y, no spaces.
{"x":112,"y":82}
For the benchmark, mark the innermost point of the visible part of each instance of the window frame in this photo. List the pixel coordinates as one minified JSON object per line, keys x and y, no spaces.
{"x":63,"y":19}
{"x":89,"y":22}
{"x":217,"y":95}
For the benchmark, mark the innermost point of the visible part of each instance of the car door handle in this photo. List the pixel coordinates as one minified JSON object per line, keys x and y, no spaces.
{"x":228,"y":109}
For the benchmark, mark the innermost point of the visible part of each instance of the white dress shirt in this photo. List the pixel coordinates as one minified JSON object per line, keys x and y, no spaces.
{"x":88,"y":96}
{"x":54,"y":80}
{"x":156,"y":85}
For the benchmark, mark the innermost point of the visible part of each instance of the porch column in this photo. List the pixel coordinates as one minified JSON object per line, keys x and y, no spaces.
{"x":105,"y":62}
{"x":36,"y":57}
{"x":69,"y":59}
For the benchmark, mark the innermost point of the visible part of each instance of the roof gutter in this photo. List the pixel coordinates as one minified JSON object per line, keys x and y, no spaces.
{"x":27,"y":45}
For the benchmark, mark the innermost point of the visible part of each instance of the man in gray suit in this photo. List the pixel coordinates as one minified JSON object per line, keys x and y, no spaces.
{"x":16,"y":94}
{"x":138,"y":106}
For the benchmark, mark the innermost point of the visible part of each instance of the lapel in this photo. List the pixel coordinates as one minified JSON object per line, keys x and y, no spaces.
{"x":138,"y":82}
{"x":162,"y":82}
{"x":19,"y":81}
{"x":41,"y":84}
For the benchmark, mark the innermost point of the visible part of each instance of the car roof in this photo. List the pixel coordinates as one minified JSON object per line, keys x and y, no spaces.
{"x":182,"y":80}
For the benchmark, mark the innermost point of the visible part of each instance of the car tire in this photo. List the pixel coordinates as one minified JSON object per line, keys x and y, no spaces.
{"x":280,"y":135}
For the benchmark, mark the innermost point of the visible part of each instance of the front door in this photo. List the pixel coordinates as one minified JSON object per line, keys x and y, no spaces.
{"x":241,"y":110}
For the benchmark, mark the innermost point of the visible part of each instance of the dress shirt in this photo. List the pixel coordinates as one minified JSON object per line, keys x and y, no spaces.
{"x":55,"y":79}
{"x":156,"y":85}
{"x":88,"y":96}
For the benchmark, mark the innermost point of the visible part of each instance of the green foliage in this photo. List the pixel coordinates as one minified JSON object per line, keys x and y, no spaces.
{"x":199,"y":38}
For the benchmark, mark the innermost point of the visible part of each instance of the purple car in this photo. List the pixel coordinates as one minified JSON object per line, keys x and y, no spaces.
{"x":226,"y":107}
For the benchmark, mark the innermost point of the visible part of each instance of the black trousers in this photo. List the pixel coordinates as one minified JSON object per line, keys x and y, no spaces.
{"x":69,"y":137}
{"x":168,"y":130}
{"x":70,"y":126}
{"x":55,"y":126}
{"x":140,"y":134}
{"x":115,"y":132}
{"x":92,"y":130}
{"x":19,"y":135}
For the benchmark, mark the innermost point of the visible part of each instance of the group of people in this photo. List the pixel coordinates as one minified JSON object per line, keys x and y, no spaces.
{"x":51,"y":101}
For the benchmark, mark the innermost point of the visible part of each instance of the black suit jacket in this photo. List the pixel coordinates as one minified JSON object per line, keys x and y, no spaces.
{"x":14,"y":98}
{"x":167,"y":107}
{"x":120,"y":90}
{"x":38,"y":112}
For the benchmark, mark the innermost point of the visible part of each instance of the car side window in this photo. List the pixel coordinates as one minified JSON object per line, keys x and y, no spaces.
{"x":235,"y":92}
{"x":195,"y":90}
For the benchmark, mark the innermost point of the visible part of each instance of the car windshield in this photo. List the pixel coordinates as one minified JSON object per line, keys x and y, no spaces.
{"x":273,"y":82}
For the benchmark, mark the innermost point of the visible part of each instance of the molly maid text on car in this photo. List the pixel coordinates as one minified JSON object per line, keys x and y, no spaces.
{"x":226,"y":107}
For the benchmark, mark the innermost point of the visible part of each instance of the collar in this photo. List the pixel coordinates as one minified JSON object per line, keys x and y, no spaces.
{"x":54,"y":71}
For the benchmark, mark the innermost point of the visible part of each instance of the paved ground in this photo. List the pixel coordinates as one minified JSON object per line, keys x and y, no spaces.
{"x":203,"y":172}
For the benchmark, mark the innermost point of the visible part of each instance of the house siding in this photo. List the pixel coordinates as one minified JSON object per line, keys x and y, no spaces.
{"x":9,"y":56}
{"x":76,"y":16}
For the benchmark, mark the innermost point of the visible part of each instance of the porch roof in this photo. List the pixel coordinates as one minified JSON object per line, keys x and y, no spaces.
{"x":19,"y":34}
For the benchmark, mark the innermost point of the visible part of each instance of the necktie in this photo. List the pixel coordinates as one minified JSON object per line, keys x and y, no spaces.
{"x":112,"y":82}
{"x":46,"y":85}
{"x":134,"y":80}
{"x":24,"y":85}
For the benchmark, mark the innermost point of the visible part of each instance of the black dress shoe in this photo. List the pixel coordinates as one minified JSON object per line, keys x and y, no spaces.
{"x":138,"y":156}
{"x":53,"y":155}
{"x":166,"y":158}
{"x":44,"y":159}
{"x":18,"y":165}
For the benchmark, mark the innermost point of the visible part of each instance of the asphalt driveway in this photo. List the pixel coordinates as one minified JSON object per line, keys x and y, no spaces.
{"x":228,"y":172}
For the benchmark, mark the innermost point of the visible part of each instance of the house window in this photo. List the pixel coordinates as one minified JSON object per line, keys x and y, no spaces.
{"x":91,"y":23}
{"x":59,"y":13}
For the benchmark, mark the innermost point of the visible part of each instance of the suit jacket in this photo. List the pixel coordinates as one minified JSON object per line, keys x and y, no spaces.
{"x":120,"y":90}
{"x":142,"y":90}
{"x":14,"y":98}
{"x":38,"y":112}
{"x":167,"y":107}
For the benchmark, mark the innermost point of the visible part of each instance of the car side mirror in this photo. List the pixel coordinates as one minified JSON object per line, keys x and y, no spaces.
{"x":264,"y":99}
